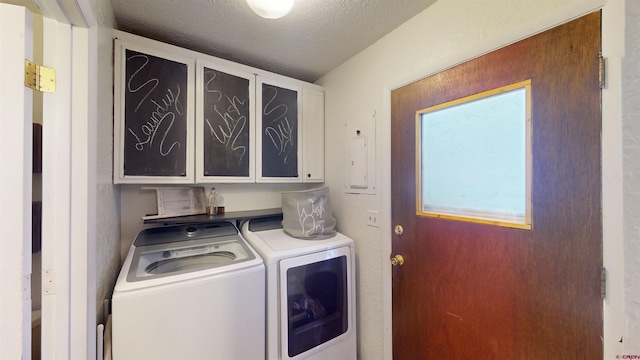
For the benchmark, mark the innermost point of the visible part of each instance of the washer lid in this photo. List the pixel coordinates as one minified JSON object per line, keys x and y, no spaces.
{"x":175,"y":233}
{"x":203,"y":257}
{"x":153,"y":261}
{"x":168,"y":251}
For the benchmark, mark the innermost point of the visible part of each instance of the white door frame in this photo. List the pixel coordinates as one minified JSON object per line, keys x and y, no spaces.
{"x":56,"y":194}
{"x":68,"y":229}
{"x":69,"y":220}
{"x":16,"y":45}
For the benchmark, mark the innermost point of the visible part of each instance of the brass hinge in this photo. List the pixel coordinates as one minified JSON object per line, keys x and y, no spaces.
{"x":601,"y":72}
{"x":603,"y":282}
{"x":39,"y":78}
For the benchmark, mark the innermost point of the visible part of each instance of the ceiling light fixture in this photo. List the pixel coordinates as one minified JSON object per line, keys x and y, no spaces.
{"x":271,"y":9}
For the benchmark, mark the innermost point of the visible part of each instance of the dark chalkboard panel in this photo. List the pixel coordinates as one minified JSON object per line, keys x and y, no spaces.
{"x":279,"y":131}
{"x":226,"y":124}
{"x":155,"y":115}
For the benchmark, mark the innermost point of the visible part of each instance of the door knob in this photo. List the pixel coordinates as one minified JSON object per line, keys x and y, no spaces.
{"x":398,"y":230}
{"x":397,"y":260}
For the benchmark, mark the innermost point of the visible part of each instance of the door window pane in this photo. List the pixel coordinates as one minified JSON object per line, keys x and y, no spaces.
{"x":474,"y":158}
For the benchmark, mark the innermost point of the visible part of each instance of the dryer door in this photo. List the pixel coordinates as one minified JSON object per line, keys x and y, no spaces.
{"x":315,"y":302}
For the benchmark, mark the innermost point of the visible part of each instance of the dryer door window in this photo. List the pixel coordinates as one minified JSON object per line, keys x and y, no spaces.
{"x":316,"y":306}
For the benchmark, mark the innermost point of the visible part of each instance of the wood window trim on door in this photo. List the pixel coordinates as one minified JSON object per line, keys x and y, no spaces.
{"x":478,"y":214}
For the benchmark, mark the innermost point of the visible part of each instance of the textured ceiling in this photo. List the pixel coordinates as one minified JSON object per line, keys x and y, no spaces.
{"x":314,"y":38}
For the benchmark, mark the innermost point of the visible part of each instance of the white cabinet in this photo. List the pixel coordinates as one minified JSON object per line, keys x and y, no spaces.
{"x":290,"y":125}
{"x":210,"y":120}
{"x":153,"y":115}
{"x":225,"y":123}
{"x":279,"y":129}
{"x":312,"y":134}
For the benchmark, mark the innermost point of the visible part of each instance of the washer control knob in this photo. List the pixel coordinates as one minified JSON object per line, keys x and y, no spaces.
{"x":191,"y":230}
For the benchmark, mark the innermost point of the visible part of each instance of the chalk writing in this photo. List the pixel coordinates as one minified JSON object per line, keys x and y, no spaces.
{"x":153,"y":83}
{"x":231,"y":121}
{"x":279,"y":129}
{"x":163,"y":115}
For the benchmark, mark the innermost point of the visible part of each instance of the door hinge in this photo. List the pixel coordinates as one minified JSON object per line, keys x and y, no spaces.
{"x":26,"y":287}
{"x":39,"y":78}
{"x":602,"y":72}
{"x":603,"y":282}
{"x":49,"y":282}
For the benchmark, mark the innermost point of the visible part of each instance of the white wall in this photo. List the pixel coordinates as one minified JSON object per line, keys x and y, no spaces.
{"x":107,"y":196}
{"x":631,"y":164}
{"x":445,"y":34}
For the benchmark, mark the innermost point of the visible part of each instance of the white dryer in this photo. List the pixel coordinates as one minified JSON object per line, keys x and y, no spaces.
{"x":311,"y":312}
{"x":190,"y":292}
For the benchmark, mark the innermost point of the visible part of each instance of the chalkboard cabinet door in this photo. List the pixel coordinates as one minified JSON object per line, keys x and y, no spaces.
{"x":153,"y":115}
{"x":225,"y":124}
{"x":290,"y":122}
{"x":280,"y":131}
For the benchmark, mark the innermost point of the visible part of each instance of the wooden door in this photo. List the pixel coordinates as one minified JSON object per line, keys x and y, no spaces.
{"x":471,"y":290}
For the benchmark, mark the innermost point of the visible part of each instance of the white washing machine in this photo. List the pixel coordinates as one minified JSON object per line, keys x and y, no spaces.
{"x":190,"y":292}
{"x":311,"y":312}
